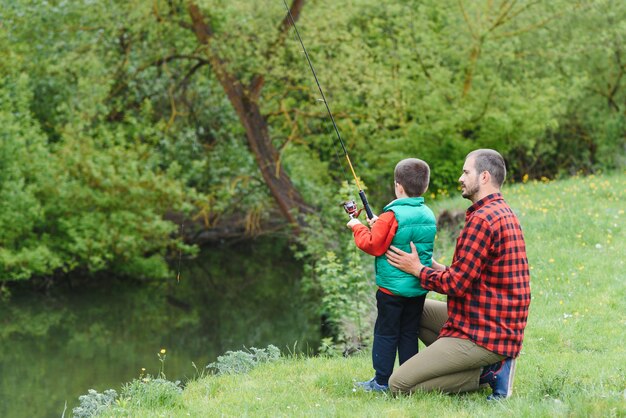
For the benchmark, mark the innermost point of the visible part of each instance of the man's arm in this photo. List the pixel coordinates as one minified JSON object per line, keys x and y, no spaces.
{"x":470,"y":255}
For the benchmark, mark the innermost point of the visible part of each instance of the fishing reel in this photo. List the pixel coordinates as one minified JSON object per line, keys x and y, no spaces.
{"x":351,"y":209}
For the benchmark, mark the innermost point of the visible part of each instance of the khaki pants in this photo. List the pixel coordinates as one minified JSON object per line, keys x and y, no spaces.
{"x":451,"y":365}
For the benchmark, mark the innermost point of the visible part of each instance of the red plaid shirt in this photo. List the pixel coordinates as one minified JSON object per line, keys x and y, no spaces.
{"x":488,"y":282}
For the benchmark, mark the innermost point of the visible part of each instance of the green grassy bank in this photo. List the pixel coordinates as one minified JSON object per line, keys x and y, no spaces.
{"x":573,"y":361}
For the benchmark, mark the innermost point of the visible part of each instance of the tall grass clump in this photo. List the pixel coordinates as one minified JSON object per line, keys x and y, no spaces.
{"x":151,"y":393}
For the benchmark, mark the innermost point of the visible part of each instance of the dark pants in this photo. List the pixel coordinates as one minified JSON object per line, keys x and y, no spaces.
{"x":396,"y":329}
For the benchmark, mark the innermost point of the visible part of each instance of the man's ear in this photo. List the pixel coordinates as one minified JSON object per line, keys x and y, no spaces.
{"x":485,"y":177}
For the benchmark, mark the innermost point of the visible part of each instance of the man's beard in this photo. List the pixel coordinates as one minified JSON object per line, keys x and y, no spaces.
{"x":470,"y":191}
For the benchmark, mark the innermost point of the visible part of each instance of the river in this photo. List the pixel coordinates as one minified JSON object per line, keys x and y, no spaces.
{"x":56,"y":345}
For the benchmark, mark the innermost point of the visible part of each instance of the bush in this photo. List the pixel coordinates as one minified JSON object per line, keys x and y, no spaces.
{"x":94,"y":403}
{"x":237,"y":362}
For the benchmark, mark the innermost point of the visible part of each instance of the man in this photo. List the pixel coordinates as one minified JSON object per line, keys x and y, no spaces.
{"x":474,"y":339}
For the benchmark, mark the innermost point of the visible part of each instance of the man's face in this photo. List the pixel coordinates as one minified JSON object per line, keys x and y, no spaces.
{"x":469,"y":180}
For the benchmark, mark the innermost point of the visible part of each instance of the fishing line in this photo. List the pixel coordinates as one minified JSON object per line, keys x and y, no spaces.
{"x":341,"y":165}
{"x":330,"y":114}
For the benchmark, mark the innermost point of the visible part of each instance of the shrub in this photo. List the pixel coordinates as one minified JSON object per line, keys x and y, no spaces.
{"x":94,"y":403}
{"x":236,"y":362}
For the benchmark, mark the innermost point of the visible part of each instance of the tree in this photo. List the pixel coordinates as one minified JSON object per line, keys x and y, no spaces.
{"x":206,"y":113}
{"x":79,"y":196}
{"x":245,"y":102}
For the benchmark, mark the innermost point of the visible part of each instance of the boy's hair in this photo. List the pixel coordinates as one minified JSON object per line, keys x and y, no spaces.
{"x":413,"y":174}
{"x":491,"y":161}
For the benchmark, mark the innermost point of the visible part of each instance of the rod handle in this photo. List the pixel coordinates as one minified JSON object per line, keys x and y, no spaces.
{"x":366,"y":204}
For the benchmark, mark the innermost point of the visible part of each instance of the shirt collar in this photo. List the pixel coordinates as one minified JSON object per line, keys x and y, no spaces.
{"x":482,"y":202}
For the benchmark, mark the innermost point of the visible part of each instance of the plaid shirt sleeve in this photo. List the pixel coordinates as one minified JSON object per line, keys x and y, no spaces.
{"x":471,"y":253}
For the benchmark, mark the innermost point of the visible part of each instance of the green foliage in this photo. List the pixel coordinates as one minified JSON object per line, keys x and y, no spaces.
{"x":113,"y":117}
{"x":94,"y":227}
{"x":346,"y":287}
{"x":78,"y":194}
{"x":149,"y":392}
{"x":237,"y":362}
{"x":94,"y":403}
{"x":328,"y":348}
{"x":23,"y":168}
{"x":338,"y":275}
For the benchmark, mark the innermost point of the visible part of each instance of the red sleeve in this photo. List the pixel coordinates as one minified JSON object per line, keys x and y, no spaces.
{"x":376,"y":241}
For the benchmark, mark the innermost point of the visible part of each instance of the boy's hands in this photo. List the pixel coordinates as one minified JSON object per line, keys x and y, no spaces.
{"x":353,"y":222}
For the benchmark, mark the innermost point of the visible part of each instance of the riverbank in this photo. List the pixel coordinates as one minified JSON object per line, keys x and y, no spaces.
{"x":571,"y":363}
{"x":548,"y":383}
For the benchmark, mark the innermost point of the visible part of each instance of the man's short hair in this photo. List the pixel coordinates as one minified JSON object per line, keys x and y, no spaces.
{"x":413,"y":174}
{"x":491,"y":161}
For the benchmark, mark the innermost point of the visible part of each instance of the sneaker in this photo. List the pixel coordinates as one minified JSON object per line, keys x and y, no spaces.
{"x":500,"y":377}
{"x":488,"y":373}
{"x":372,"y":386}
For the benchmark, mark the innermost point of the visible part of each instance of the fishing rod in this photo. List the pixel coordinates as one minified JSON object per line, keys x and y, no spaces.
{"x":349,"y":206}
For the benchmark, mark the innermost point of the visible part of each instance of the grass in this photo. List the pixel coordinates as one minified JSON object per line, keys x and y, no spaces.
{"x":573,"y":360}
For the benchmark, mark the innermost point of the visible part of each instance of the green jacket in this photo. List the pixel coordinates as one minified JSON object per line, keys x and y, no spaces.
{"x":416,"y":223}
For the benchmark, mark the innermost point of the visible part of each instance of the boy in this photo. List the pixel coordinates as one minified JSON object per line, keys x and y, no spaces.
{"x":399,"y":298}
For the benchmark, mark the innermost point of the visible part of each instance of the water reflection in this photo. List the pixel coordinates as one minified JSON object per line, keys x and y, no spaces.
{"x":54,"y":348}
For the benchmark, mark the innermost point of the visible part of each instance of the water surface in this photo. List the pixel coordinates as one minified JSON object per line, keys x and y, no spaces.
{"x":56,"y":346}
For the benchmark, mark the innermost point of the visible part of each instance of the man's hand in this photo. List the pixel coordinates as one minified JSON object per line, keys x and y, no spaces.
{"x":407,"y":262}
{"x":437,"y":266}
{"x":353,"y":222}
